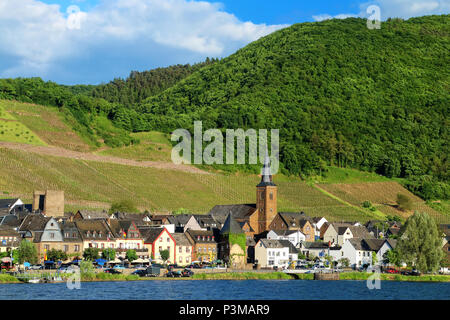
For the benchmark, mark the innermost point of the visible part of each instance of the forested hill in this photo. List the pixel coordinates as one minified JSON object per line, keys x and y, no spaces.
{"x":340,"y":93}
{"x":141,"y":85}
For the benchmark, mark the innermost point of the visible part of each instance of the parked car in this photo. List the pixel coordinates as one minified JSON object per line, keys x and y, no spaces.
{"x":173,"y":274}
{"x":140,"y":273}
{"x":392,"y":270}
{"x":112,"y":271}
{"x":410,"y":273}
{"x":187,"y":273}
{"x":118,"y":266}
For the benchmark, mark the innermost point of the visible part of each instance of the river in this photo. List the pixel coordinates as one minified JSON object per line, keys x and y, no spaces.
{"x":228,"y":289}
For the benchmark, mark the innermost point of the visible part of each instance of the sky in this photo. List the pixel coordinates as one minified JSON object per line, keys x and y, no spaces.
{"x":95,"y":41}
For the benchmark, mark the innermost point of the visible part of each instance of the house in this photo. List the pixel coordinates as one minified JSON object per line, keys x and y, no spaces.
{"x":159,"y":220}
{"x":9,"y":239}
{"x":46,"y":234}
{"x":90,"y":215}
{"x":183,"y":249}
{"x":95,"y":233}
{"x":294,"y":221}
{"x":232,"y":244}
{"x":318,"y":222}
{"x":337,"y":232}
{"x":314,"y":249}
{"x":241,"y":213}
{"x":345,"y":233}
{"x":127,"y":237}
{"x":8,"y":206}
{"x":72,"y":241}
{"x":294,"y":236}
{"x":204,"y":243}
{"x":206,"y":222}
{"x":138,"y":218}
{"x":159,"y":239}
{"x":184,"y":222}
{"x":272,"y":253}
{"x":293,"y":251}
{"x":357,"y":251}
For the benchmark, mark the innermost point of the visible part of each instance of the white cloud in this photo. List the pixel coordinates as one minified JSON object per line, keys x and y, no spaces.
{"x":396,"y":9}
{"x":322,"y":17}
{"x":41,"y":37}
{"x":412,"y":8}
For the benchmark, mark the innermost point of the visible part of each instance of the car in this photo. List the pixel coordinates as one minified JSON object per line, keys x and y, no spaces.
{"x":300,"y":267}
{"x":140,"y":273}
{"x":392,"y":270}
{"x":118,"y":266}
{"x":112,"y":271}
{"x":187,"y":273}
{"x":410,"y":273}
{"x":173,"y":274}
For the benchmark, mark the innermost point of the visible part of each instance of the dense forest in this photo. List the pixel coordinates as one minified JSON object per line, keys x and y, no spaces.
{"x":341,"y":94}
{"x":141,"y":85}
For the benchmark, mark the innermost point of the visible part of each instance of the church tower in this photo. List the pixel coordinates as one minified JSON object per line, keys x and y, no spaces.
{"x":266,"y":198}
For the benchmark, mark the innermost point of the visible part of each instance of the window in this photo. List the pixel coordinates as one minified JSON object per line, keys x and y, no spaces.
{"x":180,"y":259}
{"x":160,"y":248}
{"x":180,"y":250}
{"x":111,"y":245}
{"x":66,"y":235}
{"x":161,"y":239}
{"x":187,"y":260}
{"x":168,"y":239}
{"x":76,"y":248}
{"x":271,"y":262}
{"x":271,"y":196}
{"x":103,"y":246}
{"x":52,"y":235}
{"x":46,"y":247}
{"x":66,"y":248}
{"x":188,"y":250}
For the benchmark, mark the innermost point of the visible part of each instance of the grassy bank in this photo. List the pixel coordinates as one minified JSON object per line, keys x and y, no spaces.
{"x":395,"y":277}
{"x":6,"y":278}
{"x":242,"y":276}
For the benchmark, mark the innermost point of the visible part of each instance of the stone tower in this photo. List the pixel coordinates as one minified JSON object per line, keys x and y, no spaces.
{"x":50,"y":203}
{"x":266,"y":198}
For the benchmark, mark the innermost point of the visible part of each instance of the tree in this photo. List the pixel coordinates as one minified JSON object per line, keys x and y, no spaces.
{"x":165,"y":254}
{"x":109,"y":254}
{"x":56,"y":255}
{"x":123,"y":206}
{"x":27,"y":252}
{"x":345,"y":262}
{"x":420,"y":244}
{"x":404,"y":202}
{"x":91,"y":254}
{"x":374,"y":258}
{"x":131,"y":255}
{"x":392,"y":257}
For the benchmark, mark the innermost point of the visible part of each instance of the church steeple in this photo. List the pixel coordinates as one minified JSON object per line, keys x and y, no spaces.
{"x":266,"y":175}
{"x":266,"y":198}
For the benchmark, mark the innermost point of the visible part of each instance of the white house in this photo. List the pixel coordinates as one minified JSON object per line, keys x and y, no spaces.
{"x":271,"y":253}
{"x":293,"y":236}
{"x":357,"y":252}
{"x":318,"y":223}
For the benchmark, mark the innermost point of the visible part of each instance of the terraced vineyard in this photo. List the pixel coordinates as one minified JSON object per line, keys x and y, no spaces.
{"x":47,"y":123}
{"x":383,"y":196}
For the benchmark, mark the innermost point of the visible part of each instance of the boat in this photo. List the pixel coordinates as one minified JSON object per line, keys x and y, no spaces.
{"x":34,"y":280}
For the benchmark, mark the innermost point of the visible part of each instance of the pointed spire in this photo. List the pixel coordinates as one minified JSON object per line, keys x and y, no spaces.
{"x":266,"y":174}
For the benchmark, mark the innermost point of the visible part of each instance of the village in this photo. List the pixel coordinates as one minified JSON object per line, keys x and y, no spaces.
{"x":235,"y":237}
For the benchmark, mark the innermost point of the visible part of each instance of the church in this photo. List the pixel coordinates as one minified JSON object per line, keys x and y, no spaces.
{"x":248,"y":222}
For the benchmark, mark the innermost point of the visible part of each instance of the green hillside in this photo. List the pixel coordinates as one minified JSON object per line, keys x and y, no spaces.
{"x":341,"y":94}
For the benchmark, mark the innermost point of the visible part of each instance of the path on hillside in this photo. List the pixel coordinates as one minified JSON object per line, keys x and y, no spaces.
{"x":64,"y":153}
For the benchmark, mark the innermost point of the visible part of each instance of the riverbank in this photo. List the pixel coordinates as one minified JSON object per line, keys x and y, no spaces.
{"x":100,"y":277}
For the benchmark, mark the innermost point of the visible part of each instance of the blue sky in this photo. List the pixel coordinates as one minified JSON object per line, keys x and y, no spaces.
{"x":99,"y":40}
